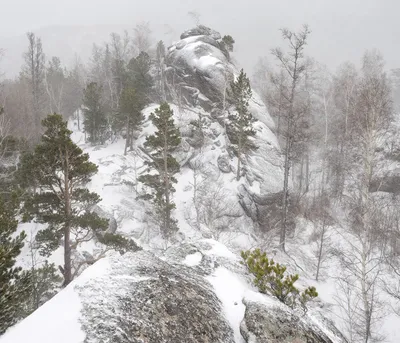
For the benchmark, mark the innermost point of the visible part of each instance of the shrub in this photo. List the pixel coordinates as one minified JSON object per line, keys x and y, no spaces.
{"x":271,"y":278}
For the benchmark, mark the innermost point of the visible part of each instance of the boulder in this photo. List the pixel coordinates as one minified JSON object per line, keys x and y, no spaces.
{"x":160,"y":303}
{"x":275,"y":324}
{"x":191,"y":293}
{"x":201,"y":30}
{"x":224,"y":163}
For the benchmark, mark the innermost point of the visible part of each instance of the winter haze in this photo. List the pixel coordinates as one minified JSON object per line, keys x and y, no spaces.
{"x":341,"y":29}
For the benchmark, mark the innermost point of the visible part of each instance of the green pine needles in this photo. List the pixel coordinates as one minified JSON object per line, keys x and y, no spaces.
{"x":13,"y":286}
{"x":162,"y":167}
{"x":58,"y":170}
{"x":240,"y":122}
{"x":271,"y":278}
{"x":95,"y":122}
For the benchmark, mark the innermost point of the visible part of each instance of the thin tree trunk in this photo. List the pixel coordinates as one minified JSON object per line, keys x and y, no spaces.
{"x":288,"y":149}
{"x":67,"y":227}
{"x":128,"y":132}
{"x":321,"y":247}
{"x":307,"y":172}
{"x":166,"y":181}
{"x":301,"y":174}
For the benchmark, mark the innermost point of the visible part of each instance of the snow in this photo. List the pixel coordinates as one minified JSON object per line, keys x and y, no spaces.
{"x":43,"y":326}
{"x":193,"y":259}
{"x":230,"y":289}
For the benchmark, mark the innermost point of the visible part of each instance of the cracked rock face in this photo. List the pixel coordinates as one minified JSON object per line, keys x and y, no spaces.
{"x":262,"y":324}
{"x":151,"y":300}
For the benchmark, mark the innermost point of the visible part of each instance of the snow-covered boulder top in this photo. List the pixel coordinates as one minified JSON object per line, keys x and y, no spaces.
{"x":201,"y":30}
{"x":192,"y":293}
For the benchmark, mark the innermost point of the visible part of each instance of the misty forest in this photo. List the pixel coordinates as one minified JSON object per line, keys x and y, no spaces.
{"x":159,"y":191}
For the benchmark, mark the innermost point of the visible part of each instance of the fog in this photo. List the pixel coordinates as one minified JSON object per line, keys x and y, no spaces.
{"x":341,"y":29}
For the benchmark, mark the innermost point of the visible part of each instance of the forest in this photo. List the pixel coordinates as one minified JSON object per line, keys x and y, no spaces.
{"x":334,"y":157}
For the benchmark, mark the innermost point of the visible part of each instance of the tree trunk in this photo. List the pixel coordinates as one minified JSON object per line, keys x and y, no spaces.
{"x":307,"y":172}
{"x":128,"y":131}
{"x":288,"y":149}
{"x":67,"y":227}
{"x":167,"y":217}
{"x":238,"y":169}
{"x":78,"y":112}
{"x":320,"y":250}
{"x":239,"y":156}
{"x":301,"y":174}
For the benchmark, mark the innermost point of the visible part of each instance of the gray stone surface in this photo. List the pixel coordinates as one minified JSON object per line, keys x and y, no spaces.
{"x":263,"y":324}
{"x":201,"y":30}
{"x":155,"y":300}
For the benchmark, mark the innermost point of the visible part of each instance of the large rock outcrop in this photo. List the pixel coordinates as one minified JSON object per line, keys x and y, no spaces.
{"x":192,"y":293}
{"x":273,"y":324}
{"x":198,"y":75}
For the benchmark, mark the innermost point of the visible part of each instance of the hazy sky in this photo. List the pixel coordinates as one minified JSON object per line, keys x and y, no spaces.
{"x":341,"y":29}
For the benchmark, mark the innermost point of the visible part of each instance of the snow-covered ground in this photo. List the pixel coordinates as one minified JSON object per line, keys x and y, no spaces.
{"x":116,"y":183}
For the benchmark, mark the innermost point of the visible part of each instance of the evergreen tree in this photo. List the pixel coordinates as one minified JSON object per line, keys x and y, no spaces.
{"x":95,"y":121}
{"x":59,"y":169}
{"x":140,"y":77}
{"x":240,"y":126}
{"x":130,"y":114}
{"x":162,"y":144}
{"x":228,"y":42}
{"x":11,"y":278}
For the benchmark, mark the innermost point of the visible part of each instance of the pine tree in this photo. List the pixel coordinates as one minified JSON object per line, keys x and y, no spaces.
{"x":95,"y":121}
{"x":162,"y":144}
{"x":11,"y":278}
{"x":130,"y":114}
{"x":240,"y":127}
{"x":140,"y":77}
{"x":228,"y":42}
{"x":59,"y":169}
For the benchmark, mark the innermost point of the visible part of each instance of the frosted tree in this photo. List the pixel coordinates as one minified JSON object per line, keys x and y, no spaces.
{"x":95,"y":122}
{"x":55,"y":84}
{"x":163,"y":166}
{"x":240,"y":121}
{"x":130,"y":115}
{"x":59,"y":168}
{"x":142,"y":38}
{"x":293,"y":64}
{"x":34,"y":72}
{"x":160,"y":64}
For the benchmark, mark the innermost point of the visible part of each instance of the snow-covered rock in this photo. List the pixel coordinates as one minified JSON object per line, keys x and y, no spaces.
{"x":201,"y":30}
{"x":198,"y":75}
{"x":193,"y":292}
{"x":273,"y":323}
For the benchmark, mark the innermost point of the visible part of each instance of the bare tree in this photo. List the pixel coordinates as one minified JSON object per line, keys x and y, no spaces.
{"x":34,"y":73}
{"x":195,"y":16}
{"x":142,"y":38}
{"x":322,"y":219}
{"x":345,"y":89}
{"x":120,"y":55}
{"x":360,"y":295}
{"x":55,"y":80}
{"x":294,"y":66}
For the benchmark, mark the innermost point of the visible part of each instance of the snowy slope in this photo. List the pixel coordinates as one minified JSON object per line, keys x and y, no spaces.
{"x":79,"y":310}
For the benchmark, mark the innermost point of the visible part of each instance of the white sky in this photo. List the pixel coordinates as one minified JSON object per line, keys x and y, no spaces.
{"x":341,"y":29}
